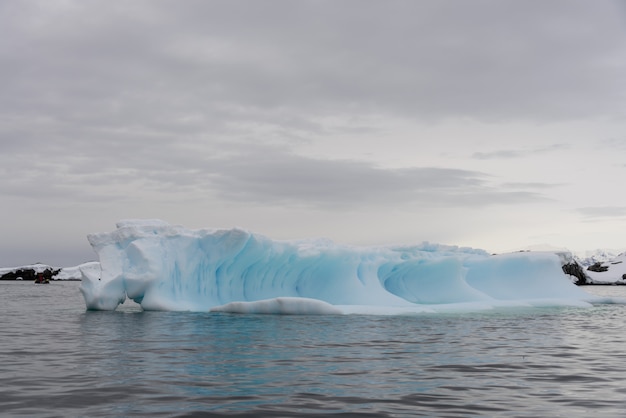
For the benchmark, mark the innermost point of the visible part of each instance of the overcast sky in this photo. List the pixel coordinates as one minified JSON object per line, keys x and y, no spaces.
{"x":492,"y":124}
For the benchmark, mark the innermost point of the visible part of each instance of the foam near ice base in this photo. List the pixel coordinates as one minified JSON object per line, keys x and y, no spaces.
{"x":167,"y":267}
{"x":284,"y":306}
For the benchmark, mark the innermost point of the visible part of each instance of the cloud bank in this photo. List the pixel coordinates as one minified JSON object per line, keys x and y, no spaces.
{"x":156,"y":108}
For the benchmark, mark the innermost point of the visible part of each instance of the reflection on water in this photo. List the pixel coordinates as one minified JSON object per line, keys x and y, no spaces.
{"x":57,"y":357}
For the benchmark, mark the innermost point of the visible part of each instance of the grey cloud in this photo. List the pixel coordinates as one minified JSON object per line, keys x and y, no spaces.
{"x":258,"y":174}
{"x":87,"y":76}
{"x":155,"y":62}
{"x":114,"y":101}
{"x":270,"y":176}
{"x":600,"y":212}
{"x":131,"y":90}
{"x":529,"y":185}
{"x":499,"y":154}
{"x":615,"y":143}
{"x":517,"y":153}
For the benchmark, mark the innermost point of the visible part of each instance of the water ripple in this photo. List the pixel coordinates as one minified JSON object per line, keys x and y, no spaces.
{"x":58,"y":360}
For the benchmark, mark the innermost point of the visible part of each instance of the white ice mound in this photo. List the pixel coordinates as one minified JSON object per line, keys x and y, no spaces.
{"x":284,"y":306}
{"x":166,"y":267}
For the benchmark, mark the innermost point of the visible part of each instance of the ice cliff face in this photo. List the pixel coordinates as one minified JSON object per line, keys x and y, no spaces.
{"x":166,"y":267}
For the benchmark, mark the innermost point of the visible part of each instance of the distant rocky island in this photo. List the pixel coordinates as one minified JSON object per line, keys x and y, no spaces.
{"x":30,"y":272}
{"x":598,"y":269}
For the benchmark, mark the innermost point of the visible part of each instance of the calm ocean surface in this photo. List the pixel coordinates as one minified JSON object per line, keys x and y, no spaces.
{"x":56,"y":359}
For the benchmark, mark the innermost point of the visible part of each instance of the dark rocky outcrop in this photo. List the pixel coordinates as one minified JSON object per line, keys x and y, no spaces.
{"x":576,"y":270}
{"x":29,"y":274}
{"x":598,"y":267}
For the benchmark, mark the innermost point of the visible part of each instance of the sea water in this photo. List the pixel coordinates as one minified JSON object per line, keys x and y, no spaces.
{"x":57,"y":359}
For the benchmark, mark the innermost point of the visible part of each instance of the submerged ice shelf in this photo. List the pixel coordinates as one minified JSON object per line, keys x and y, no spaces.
{"x":167,"y":267}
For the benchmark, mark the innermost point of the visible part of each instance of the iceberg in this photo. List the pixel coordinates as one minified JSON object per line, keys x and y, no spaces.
{"x":168,"y":267}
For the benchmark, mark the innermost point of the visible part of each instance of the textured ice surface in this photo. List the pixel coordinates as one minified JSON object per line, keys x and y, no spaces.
{"x":168,"y":267}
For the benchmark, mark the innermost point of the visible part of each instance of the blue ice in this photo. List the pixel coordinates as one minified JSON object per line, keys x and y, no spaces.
{"x":168,"y":267}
